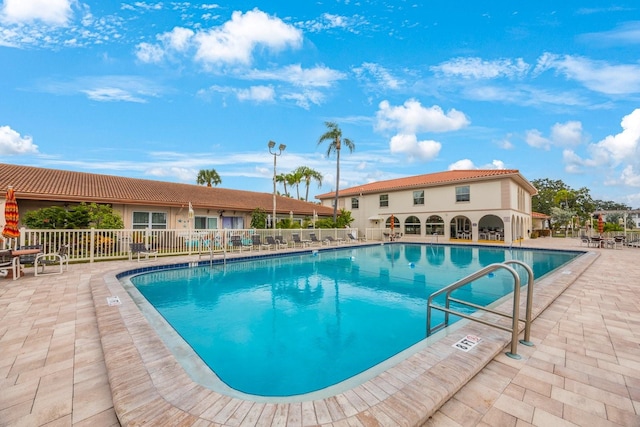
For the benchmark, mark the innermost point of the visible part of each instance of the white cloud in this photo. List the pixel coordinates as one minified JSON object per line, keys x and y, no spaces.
{"x":477,"y":68}
{"x":305,"y":98}
{"x":257,"y":94}
{"x":619,"y":150}
{"x":236,"y":40}
{"x":409,"y":144}
{"x":598,"y":76}
{"x":467,"y":164}
{"x":110,"y":94}
{"x":412,"y":117}
{"x":52,"y":12}
{"x":567,"y":134}
{"x":330,"y":21}
{"x":319,"y":76}
{"x":11,"y":143}
{"x":177,"y":39}
{"x":376,"y":76}
{"x":149,"y":53}
{"x":562,"y":135}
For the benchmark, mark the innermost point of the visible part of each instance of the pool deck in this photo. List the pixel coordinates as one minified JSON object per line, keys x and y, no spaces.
{"x":67,"y":358}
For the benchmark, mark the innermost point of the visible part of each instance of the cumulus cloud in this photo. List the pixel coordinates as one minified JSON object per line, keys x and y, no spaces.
{"x":562,"y":135}
{"x":52,"y":12}
{"x":598,"y":76}
{"x":619,"y":150}
{"x":257,"y":94}
{"x":237,"y":39}
{"x":467,"y":164}
{"x":479,"y":69}
{"x":409,"y":144}
{"x":11,"y":143}
{"x":412,"y":117}
{"x":233,"y":43}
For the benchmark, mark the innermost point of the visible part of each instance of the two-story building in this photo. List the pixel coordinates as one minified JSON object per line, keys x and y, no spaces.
{"x":459,"y":204}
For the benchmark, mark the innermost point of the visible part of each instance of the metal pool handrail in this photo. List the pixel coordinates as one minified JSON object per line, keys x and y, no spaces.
{"x":515,"y":316}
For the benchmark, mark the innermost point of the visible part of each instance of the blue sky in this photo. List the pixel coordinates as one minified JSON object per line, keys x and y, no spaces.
{"x":161,"y":90}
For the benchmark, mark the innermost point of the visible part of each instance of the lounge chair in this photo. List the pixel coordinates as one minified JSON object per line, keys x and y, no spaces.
{"x":140,"y":249}
{"x":237,"y":242}
{"x":353,"y":238}
{"x":60,"y":258}
{"x":298,"y":242}
{"x":331,"y":239}
{"x":257,"y":242}
{"x":314,"y":239}
{"x":276,"y":243}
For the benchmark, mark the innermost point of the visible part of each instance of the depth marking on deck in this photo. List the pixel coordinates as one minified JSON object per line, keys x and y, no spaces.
{"x":467,"y":343}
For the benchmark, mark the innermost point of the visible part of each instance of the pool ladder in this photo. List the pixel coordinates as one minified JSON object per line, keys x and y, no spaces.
{"x":514,"y":329}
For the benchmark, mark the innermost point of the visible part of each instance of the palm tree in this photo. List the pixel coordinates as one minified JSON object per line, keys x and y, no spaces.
{"x":334,"y":135}
{"x":295,"y":178}
{"x":282,"y":178}
{"x":309,"y":174}
{"x":208,"y":177}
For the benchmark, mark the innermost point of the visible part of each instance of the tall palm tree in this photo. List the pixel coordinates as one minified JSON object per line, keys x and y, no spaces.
{"x":282,"y":178}
{"x":309,"y":174}
{"x":334,"y":135}
{"x":209,"y":177}
{"x":295,"y":178}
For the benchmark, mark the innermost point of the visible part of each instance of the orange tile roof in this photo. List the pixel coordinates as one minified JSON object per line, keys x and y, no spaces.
{"x":539,"y":215}
{"x":31,"y":183}
{"x":432,"y":180}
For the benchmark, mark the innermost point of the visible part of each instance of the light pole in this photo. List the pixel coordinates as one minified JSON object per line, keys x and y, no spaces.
{"x":281,"y":148}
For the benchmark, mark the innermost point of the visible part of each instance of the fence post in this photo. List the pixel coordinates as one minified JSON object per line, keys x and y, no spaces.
{"x":92,"y":244}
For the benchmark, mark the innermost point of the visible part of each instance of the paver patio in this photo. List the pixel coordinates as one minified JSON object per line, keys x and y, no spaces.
{"x":583,"y":370}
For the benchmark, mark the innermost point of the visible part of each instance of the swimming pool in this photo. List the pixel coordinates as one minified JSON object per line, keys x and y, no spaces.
{"x":290,"y":325}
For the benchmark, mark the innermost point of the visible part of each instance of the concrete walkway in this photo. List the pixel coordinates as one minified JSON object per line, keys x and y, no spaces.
{"x":584,"y":369}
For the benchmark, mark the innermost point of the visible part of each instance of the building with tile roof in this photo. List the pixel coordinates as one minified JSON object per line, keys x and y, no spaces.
{"x":147,"y":203}
{"x":471,"y":205}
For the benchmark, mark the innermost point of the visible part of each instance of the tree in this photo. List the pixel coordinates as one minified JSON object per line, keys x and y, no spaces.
{"x":258,"y":218}
{"x":560,"y":217}
{"x":78,"y":217}
{"x":294,"y":179}
{"x":209,"y":177}
{"x":334,"y":136}
{"x":308,"y":175}
{"x":282,"y":178}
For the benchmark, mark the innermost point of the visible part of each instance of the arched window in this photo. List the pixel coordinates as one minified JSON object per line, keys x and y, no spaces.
{"x":434,"y":225}
{"x":412,"y":225}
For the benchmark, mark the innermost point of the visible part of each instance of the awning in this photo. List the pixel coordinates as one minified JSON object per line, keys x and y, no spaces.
{"x":376,"y":218}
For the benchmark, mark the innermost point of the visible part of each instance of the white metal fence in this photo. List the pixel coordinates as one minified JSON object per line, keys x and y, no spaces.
{"x":97,"y":244}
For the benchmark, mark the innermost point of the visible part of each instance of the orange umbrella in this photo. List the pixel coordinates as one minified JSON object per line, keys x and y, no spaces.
{"x":392,"y":220}
{"x":600,"y":224}
{"x":11,"y":217}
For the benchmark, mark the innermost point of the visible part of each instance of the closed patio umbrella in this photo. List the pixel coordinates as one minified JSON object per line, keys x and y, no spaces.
{"x":11,"y":217}
{"x":600,"y":224}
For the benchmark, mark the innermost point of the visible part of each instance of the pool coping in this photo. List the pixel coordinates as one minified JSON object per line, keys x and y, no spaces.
{"x":148,"y":383}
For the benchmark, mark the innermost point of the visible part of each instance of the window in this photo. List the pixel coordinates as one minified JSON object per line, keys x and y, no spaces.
{"x":418,"y":197}
{"x":355,"y":203}
{"x":384,"y":200}
{"x":153,"y":220}
{"x":463,"y":194}
{"x":205,"y":223}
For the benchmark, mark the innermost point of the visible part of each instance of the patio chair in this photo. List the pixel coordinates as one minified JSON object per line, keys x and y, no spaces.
{"x":314,"y":240}
{"x":353,"y":238}
{"x":140,"y":249}
{"x":275,"y":243}
{"x":236,"y":242}
{"x":31,"y":258}
{"x":297,"y":241}
{"x":9,"y":263}
{"x":331,"y":240}
{"x":257,"y":242}
{"x":60,"y":258}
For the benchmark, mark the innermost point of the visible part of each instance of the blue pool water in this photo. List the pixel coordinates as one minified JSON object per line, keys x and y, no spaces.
{"x":290,"y":325}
